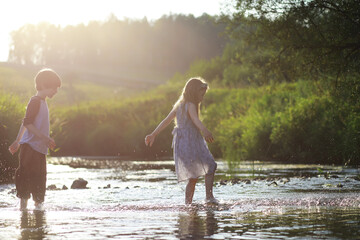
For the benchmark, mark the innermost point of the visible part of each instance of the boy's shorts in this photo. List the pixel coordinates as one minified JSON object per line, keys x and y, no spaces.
{"x":30,"y":176}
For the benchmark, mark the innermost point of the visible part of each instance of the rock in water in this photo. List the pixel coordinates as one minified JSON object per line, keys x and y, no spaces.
{"x":79,"y":184}
{"x":52,"y":187}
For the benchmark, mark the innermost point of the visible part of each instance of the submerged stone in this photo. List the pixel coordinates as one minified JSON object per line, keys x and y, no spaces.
{"x":79,"y":184}
{"x":273,"y":184}
{"x":247,"y":181}
{"x":285,"y":180}
{"x":52,"y":187}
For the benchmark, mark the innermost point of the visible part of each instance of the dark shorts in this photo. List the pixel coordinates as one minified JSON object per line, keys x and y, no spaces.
{"x":30,"y":176}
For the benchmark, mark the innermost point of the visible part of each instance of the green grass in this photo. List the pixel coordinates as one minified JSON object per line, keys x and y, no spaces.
{"x":300,"y":122}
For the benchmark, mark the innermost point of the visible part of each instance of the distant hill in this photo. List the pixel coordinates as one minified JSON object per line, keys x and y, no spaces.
{"x":78,"y":84}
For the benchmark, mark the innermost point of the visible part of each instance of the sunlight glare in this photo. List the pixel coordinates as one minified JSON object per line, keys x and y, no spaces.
{"x":16,"y":13}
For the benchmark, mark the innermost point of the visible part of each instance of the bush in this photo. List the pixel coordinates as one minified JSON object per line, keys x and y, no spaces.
{"x":296,"y":122}
{"x":350,"y":140}
{"x":11,"y":114}
{"x":307,"y":132}
{"x":114,"y":128}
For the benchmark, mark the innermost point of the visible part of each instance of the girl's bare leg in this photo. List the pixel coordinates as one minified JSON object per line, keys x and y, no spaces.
{"x":209,"y":182}
{"x":189,"y":192}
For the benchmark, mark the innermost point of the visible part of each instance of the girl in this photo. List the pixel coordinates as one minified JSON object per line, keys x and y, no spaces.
{"x":191,"y":154}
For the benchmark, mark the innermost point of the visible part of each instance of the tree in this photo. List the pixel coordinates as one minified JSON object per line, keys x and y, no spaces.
{"x":126,"y":48}
{"x":316,"y":37}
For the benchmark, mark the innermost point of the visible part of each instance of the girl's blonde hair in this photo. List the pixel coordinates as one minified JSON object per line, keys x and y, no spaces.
{"x":190,"y":92}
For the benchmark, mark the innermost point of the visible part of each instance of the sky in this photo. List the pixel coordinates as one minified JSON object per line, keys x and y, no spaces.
{"x":16,"y":13}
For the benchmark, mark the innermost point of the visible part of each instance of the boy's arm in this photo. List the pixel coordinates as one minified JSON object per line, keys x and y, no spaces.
{"x":15,"y":145}
{"x":149,"y":139}
{"x":32,"y":110}
{"x":20,"y":133}
{"x":194,"y":117}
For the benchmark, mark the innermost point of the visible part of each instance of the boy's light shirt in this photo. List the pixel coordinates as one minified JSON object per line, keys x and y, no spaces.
{"x":42,"y":123}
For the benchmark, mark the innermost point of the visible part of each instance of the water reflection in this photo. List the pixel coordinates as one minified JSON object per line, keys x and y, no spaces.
{"x":33,"y":225}
{"x":192,"y":225}
{"x":144,"y":201}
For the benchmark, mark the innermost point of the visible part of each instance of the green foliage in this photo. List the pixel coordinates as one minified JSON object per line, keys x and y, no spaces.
{"x":294,"y":122}
{"x":11,"y":113}
{"x":212,"y":69}
{"x":75,"y":89}
{"x":350,"y":138}
{"x":307,"y":38}
{"x":18,"y":81}
{"x":112,"y":127}
{"x":308,"y":130}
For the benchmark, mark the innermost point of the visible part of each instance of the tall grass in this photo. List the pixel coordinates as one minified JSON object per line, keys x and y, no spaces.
{"x":299,"y":122}
{"x":289,"y":122}
{"x":114,"y":127}
{"x":11,"y":113}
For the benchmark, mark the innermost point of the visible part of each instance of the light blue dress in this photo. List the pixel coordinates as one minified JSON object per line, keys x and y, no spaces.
{"x":191,"y":153}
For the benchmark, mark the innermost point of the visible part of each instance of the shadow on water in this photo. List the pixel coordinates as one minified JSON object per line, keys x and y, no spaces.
{"x":33,"y":225}
{"x":194,"y":225}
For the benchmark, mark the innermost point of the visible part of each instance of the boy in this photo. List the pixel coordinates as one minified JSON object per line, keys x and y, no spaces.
{"x":33,"y":140}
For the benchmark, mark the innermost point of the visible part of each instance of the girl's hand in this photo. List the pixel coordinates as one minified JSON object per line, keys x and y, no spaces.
{"x":14,"y":147}
{"x":208,"y":136}
{"x":149,"y":140}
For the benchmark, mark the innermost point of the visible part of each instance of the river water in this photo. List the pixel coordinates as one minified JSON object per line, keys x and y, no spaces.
{"x":142,"y":200}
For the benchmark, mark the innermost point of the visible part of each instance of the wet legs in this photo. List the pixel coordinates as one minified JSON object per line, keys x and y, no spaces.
{"x":190,"y":188}
{"x":189,"y":192}
{"x":209,"y":182}
{"x":23,"y":204}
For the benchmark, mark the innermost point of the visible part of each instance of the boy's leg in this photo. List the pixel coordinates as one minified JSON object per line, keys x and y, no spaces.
{"x":23,"y":204}
{"x":38,"y":178}
{"x":189,"y":192}
{"x":22,"y":177}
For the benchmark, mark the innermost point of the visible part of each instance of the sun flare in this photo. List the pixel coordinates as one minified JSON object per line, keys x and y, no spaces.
{"x":14,"y":14}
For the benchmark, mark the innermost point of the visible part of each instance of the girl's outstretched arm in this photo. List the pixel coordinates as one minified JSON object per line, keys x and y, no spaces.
{"x":195,"y":118}
{"x":149,"y":139}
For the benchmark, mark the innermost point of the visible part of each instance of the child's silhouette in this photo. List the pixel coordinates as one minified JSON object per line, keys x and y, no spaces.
{"x":191,"y":154}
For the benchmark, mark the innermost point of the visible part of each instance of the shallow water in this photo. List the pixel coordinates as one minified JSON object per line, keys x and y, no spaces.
{"x":142,"y":200}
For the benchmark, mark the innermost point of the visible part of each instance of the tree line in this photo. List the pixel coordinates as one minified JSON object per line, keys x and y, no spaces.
{"x":169,"y":44}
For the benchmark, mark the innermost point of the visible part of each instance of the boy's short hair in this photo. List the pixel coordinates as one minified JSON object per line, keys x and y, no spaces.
{"x":47,"y":78}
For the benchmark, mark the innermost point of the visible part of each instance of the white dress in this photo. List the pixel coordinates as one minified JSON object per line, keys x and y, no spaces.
{"x":191,"y":153}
